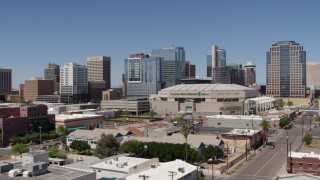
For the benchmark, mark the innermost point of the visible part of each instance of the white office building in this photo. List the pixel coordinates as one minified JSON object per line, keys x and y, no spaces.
{"x":73,"y":83}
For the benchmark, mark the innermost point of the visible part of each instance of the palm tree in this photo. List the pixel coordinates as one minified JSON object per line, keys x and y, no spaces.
{"x":265,"y":125}
{"x":185,"y":132}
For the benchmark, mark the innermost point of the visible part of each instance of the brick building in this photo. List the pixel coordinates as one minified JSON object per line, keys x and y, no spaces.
{"x":19,"y":121}
{"x":303,"y":163}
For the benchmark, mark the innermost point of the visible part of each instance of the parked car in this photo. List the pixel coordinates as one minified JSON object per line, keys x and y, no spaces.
{"x":271,"y":144}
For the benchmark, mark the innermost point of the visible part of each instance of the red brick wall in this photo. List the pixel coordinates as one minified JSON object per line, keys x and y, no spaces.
{"x":8,"y":112}
{"x":315,"y":162}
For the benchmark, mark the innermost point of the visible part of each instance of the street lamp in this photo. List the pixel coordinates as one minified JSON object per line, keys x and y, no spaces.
{"x":246,"y":146}
{"x":40,"y":127}
{"x":287,"y":127}
{"x":213,"y":160}
{"x":145,"y":150}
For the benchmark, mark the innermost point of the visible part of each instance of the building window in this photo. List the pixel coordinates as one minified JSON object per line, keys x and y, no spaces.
{"x":300,"y":164}
{"x":318,"y":166}
{"x":309,"y":166}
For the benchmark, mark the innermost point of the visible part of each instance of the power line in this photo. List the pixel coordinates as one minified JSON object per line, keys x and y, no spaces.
{"x":172,"y":173}
{"x":144,"y":177}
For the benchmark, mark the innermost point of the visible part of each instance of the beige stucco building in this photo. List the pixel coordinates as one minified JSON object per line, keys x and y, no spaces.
{"x":205,"y":99}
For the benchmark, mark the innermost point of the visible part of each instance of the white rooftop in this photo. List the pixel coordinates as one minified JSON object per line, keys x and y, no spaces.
{"x":162,"y":171}
{"x":243,"y":132}
{"x":207,"y":87}
{"x":97,"y":132}
{"x":119,"y":163}
{"x":67,"y":117}
{"x":252,"y":117}
{"x":301,"y":155}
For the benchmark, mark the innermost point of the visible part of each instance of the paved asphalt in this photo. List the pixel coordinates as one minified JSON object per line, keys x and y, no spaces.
{"x":267,"y":164}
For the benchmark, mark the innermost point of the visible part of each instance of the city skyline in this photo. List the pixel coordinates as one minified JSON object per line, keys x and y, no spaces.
{"x":36,"y":33}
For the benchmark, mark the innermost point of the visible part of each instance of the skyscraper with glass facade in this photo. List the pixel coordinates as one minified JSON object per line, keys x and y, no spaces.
{"x":173,"y":64}
{"x":215,"y":60}
{"x":286,"y":70}
{"x":143,"y":75}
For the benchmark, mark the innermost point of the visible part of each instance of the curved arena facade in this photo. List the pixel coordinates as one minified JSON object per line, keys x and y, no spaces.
{"x":200,"y":99}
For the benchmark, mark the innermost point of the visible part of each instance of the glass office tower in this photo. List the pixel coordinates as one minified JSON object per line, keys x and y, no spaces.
{"x":173,"y":64}
{"x":286,"y":70}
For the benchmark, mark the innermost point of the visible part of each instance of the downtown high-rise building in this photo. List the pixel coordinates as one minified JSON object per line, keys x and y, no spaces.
{"x":173,"y":64}
{"x":189,"y":70}
{"x":215,"y":60}
{"x":99,"y":76}
{"x":5,"y":83}
{"x":36,"y":87}
{"x":52,"y":72}
{"x":142,"y":75}
{"x":286,"y":70}
{"x":73,"y":83}
{"x":249,"y":71}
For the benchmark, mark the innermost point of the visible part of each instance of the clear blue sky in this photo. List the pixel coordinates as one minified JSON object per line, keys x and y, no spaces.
{"x":32,"y":33}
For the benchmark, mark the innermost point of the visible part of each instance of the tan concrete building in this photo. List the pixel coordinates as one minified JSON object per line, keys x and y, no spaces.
{"x":205,"y":99}
{"x":313,"y":74}
{"x":79,"y":121}
{"x":112,"y":94}
{"x":99,"y":76}
{"x":238,"y":139}
{"x":37,"y":87}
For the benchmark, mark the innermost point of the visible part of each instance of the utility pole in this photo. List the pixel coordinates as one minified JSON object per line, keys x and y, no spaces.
{"x":246,"y":147}
{"x":172,"y":173}
{"x":290,"y":160}
{"x":302,"y":130}
{"x":144,"y":177}
{"x":227,"y":157}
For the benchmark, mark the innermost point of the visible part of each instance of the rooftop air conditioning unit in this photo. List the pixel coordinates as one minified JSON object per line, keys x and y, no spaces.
{"x":153,"y":166}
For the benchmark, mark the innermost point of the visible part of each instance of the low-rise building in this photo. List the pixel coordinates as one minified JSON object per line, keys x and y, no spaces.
{"x":133,"y":106}
{"x":235,"y":121}
{"x":174,"y":170}
{"x":120,"y":166}
{"x":79,"y":121}
{"x":298,"y":162}
{"x":93,"y":136}
{"x":239,"y":139}
{"x":197,"y":142}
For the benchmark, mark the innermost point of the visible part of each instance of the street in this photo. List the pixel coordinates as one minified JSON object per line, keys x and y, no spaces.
{"x":267,"y":164}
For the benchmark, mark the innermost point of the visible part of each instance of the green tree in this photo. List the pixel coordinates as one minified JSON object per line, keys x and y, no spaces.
{"x":308,"y":138}
{"x":212,"y":151}
{"x":14,"y":140}
{"x":133,"y":147}
{"x":151,"y":113}
{"x":185,"y":132}
{"x":317,"y":118}
{"x":62,"y":132}
{"x":285,"y":121}
{"x":53,"y":152}
{"x":106,"y":146}
{"x":79,"y":145}
{"x":278,"y":103}
{"x":290,"y":103}
{"x":20,"y":148}
{"x":265,"y":125}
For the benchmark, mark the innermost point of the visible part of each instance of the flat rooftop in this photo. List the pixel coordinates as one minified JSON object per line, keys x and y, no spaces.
{"x":120,"y":164}
{"x":55,"y":173}
{"x":302,"y":155}
{"x":242,"y":132}
{"x":66,"y":117}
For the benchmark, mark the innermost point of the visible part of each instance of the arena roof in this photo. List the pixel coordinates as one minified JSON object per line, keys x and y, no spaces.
{"x":207,"y":87}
